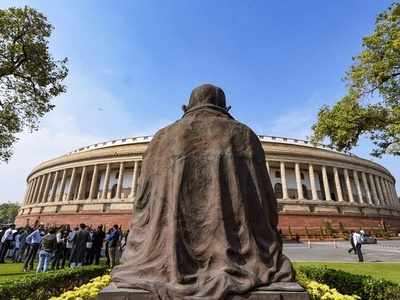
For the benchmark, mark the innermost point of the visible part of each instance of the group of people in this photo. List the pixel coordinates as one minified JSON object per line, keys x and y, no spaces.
{"x":57,"y":247}
{"x":356,"y":239}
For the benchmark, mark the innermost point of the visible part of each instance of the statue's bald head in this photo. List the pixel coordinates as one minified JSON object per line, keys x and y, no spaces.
{"x":207,"y":94}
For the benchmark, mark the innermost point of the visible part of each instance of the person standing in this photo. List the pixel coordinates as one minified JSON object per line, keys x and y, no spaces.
{"x":17,"y":244}
{"x":48,"y":246}
{"x":79,"y":241}
{"x":33,"y":239}
{"x":59,"y":251}
{"x":6,"y":242}
{"x":353,"y":246}
{"x":98,"y":239}
{"x":89,"y":248}
{"x":113,"y":245}
{"x":23,"y":245}
{"x":357,"y":239}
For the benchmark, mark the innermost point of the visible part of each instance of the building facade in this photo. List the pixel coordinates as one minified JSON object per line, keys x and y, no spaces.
{"x":314,"y":185}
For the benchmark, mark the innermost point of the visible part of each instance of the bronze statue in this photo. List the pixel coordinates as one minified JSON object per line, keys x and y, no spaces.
{"x":205,"y":218}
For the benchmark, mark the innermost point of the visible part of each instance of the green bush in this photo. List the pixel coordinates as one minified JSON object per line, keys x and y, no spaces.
{"x":42,"y":286}
{"x":367,"y":287}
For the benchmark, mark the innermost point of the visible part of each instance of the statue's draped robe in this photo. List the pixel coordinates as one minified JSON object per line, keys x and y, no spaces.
{"x":204,"y":221}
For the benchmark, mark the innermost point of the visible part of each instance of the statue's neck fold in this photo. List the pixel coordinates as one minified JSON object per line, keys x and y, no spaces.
{"x":209,"y":107}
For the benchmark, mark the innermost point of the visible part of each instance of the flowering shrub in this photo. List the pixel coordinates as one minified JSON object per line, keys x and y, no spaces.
{"x":86,"y":291}
{"x":320,"y":291}
{"x":41,"y":286}
{"x":366,"y":287}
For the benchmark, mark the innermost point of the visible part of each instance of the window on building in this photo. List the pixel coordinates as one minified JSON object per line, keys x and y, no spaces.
{"x":302,"y":176}
{"x":277,"y":174}
{"x":114,"y":191}
{"x":278,"y":190}
{"x":304,"y":188}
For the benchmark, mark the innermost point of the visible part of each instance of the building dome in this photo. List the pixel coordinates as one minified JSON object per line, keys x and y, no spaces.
{"x":314,"y":184}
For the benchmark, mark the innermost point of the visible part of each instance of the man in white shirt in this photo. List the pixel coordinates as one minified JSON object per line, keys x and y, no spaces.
{"x":357,"y":238}
{"x":6,"y":242}
{"x":33,"y":239}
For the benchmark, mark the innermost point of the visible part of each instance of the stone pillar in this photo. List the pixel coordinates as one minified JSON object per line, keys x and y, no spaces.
{"x":380,"y":191}
{"x":300,"y":195}
{"x":326,"y":184}
{"x":373,"y":188}
{"x":388,"y":193}
{"x":348,"y":185}
{"x":40,"y":192}
{"x":33,"y":193}
{"x":62,"y":185}
{"x":82,"y":185}
{"x":393,"y":195}
{"x":314,"y":193}
{"x":134,"y":177}
{"x":268,"y":169}
{"x":54,"y":188}
{"x":28,"y":192}
{"x":385,"y":191}
{"x":93,"y":183}
{"x":337,"y":184}
{"x":120,"y":180}
{"x":36,"y":190}
{"x":395,"y":198}
{"x":283,"y":181}
{"x":366,"y":187}
{"x":358,"y":187}
{"x":70,"y":193}
{"x":37,"y":187}
{"x":106,"y":182}
{"x":46,"y":189}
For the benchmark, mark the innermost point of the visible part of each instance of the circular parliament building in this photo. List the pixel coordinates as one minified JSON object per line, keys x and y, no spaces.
{"x":314,"y":184}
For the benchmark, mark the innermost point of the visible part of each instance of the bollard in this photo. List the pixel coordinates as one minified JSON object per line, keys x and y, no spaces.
{"x":334,"y":243}
{"x":309,"y":244}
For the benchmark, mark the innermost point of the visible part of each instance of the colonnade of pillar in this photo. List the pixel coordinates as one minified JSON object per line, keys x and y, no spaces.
{"x":367,"y":188}
{"x":83,"y":183}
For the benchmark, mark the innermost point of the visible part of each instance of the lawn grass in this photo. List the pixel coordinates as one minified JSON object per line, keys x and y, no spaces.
{"x":12,"y":271}
{"x":388,"y":271}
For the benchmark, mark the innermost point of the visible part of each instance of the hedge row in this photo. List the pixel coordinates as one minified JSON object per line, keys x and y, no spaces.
{"x":367,"y":287}
{"x":42,"y":286}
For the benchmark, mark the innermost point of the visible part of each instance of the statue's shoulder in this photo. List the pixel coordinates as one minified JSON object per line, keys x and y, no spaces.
{"x":165,"y":130}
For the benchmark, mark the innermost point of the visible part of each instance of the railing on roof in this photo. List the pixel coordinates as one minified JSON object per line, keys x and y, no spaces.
{"x":263,"y":138}
{"x":286,"y":140}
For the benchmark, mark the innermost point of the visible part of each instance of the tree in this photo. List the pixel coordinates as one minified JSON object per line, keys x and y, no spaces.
{"x":29,"y":76}
{"x":372,"y":104}
{"x":8,"y":212}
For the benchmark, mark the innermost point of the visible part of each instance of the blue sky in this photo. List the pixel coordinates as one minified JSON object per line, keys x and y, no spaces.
{"x":133,"y":64}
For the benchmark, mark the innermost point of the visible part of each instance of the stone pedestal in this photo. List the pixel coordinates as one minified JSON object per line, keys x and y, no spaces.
{"x":275,"y":291}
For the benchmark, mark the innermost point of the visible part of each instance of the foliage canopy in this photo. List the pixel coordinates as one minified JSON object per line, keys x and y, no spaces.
{"x":372,"y":103}
{"x":8,"y":212}
{"x":29,"y":75}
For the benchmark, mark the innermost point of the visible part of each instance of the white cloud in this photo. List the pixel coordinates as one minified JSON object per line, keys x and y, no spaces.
{"x":295,"y":124}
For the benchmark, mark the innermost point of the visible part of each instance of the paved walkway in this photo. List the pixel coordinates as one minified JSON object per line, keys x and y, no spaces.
{"x":384,"y":251}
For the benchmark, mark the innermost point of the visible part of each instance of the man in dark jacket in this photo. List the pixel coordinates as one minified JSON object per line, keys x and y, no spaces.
{"x":79,"y":246}
{"x":98,"y":239}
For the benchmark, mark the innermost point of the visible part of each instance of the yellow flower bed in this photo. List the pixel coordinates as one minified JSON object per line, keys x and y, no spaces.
{"x":86,"y":291}
{"x":319,"y":291}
